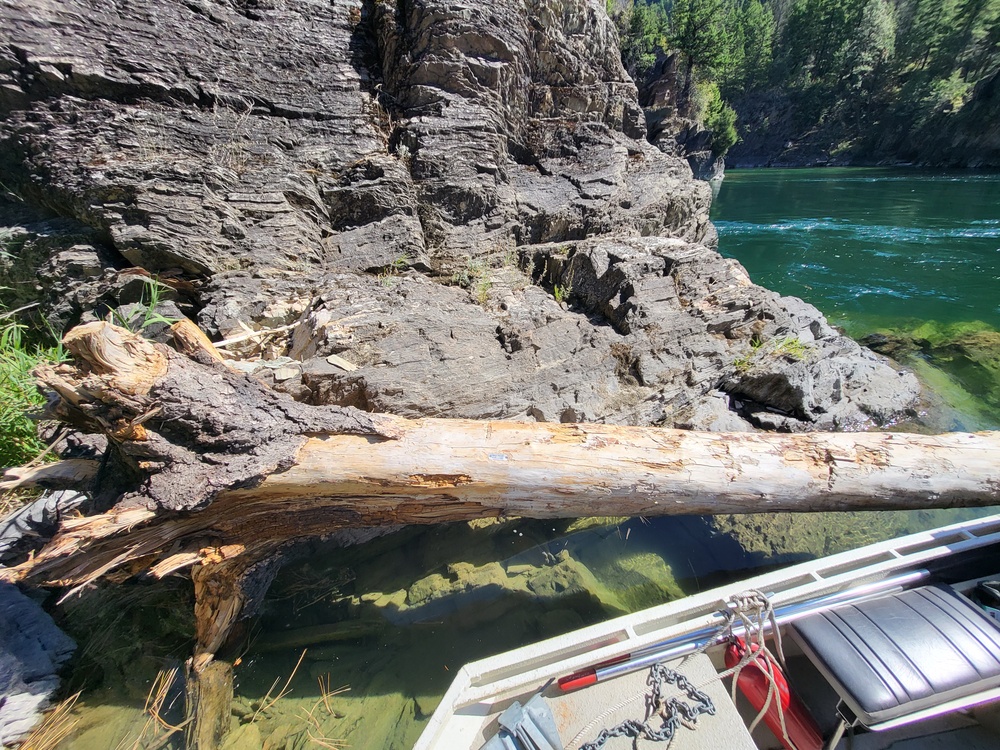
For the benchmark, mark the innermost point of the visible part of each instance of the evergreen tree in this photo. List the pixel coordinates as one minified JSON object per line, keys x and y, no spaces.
{"x":758,"y":40}
{"x":643,"y":32}
{"x":818,"y":33}
{"x":779,"y":12}
{"x":698,"y":32}
{"x":873,"y":44}
{"x":720,"y":118}
{"x":928,"y":29}
{"x":888,"y":68}
{"x":986,"y":57}
{"x":730,"y":71}
{"x":970,"y":18}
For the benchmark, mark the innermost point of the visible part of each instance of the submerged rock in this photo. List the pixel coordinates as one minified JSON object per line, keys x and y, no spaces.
{"x":966,"y":354}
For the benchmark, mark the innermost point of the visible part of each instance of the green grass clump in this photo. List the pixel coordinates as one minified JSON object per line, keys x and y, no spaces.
{"x":743,"y":364}
{"x":19,"y":441}
{"x":789,"y":347}
{"x":390,"y":273}
{"x":477,"y":278}
{"x":792,"y":348}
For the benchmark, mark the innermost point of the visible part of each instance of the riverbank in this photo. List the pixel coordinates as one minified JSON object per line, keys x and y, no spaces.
{"x":392,"y":619}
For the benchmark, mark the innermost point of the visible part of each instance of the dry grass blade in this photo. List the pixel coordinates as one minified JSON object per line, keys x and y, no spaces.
{"x":327,"y":742}
{"x":57,"y":725}
{"x":158,"y":695}
{"x":265,"y":700}
{"x":155,"y":700}
{"x":268,"y":701}
{"x":326,"y":693}
{"x":324,"y":700}
{"x":12,"y":500}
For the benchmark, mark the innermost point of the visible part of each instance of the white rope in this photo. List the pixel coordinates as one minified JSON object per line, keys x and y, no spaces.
{"x":753,"y":609}
{"x":600,"y":719}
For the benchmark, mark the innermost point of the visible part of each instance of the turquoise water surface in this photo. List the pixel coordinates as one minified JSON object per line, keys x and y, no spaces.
{"x":869,"y":247}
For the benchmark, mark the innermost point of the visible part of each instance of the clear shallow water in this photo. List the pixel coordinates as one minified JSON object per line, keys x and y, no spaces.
{"x":869,"y":247}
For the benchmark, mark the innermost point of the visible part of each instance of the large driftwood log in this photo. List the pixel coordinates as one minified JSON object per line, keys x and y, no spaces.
{"x":209,"y":469}
{"x":259,"y":469}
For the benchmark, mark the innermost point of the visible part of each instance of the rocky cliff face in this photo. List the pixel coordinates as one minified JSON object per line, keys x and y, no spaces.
{"x":457,"y":200}
{"x":672,"y":132}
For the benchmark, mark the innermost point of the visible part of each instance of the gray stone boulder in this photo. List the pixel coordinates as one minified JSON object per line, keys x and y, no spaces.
{"x":697,"y":324}
{"x":632,"y":330}
{"x":32,"y":650}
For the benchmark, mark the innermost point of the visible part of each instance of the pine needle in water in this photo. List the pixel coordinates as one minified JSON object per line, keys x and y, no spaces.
{"x":57,"y":725}
{"x":268,"y":701}
{"x":157,"y":696}
{"x":326,"y":693}
{"x":327,"y":742}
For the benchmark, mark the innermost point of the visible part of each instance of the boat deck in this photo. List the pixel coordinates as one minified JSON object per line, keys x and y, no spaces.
{"x":580,"y":715}
{"x":467,"y":715}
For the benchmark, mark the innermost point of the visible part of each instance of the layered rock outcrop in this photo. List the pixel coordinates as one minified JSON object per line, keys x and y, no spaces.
{"x":455,"y":200}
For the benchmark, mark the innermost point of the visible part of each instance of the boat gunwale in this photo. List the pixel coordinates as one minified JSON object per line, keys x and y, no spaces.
{"x":480,"y":685}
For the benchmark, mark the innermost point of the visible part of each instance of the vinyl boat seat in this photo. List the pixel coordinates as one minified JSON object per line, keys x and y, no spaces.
{"x":904,"y":657}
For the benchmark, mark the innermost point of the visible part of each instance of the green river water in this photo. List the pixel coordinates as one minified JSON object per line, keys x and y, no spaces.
{"x":869,"y":247}
{"x":913,"y":256}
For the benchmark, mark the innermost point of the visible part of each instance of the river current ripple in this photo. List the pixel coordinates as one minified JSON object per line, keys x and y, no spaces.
{"x":871,"y":248}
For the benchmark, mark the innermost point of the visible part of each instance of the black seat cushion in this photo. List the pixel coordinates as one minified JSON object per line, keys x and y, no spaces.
{"x":902,"y":653}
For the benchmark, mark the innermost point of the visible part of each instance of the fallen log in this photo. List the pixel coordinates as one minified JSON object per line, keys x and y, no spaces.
{"x":209,"y":469}
{"x":261,"y":469}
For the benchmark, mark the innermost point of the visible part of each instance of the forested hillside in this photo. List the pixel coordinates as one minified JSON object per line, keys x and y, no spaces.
{"x":815,"y":81}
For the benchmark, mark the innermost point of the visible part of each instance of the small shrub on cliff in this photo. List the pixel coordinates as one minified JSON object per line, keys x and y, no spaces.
{"x":718,"y":117}
{"x":789,"y":347}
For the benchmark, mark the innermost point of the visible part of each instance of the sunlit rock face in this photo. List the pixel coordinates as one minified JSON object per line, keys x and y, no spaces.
{"x":456,"y":199}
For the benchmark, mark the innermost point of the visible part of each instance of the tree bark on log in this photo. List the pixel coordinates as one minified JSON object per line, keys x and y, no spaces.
{"x":207,"y":467}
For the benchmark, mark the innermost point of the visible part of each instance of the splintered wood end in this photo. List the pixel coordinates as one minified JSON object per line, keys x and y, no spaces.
{"x":125,"y":360}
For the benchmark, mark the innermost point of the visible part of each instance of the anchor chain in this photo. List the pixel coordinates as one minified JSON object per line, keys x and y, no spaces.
{"x":674,"y":712}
